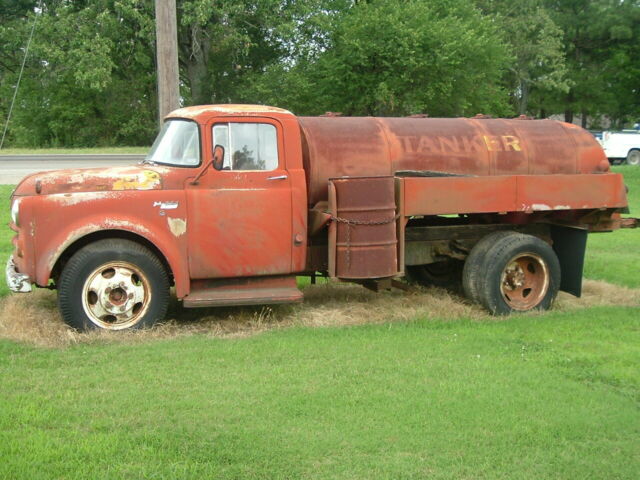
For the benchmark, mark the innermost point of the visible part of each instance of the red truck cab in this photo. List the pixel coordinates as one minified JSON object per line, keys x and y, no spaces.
{"x":247,"y":219}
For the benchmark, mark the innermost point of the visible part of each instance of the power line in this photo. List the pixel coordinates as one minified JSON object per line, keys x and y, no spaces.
{"x":24,"y":60}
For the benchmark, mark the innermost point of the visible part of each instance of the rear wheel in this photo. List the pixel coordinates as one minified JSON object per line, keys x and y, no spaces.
{"x":519,"y":273}
{"x":473,"y":271}
{"x":633,"y":157}
{"x":113,"y":284}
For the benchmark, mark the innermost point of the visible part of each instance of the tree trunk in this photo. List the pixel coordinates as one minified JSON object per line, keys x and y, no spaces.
{"x":197,"y":68}
{"x":583,"y":121}
{"x":524,"y":97}
{"x":568,"y":112}
{"x":197,"y":74}
{"x":568,"y":116}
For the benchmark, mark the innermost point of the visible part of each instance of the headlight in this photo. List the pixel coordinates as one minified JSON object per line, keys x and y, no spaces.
{"x":15,"y":208}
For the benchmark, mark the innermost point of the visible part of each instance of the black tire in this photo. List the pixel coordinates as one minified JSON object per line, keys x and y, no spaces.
{"x":445,"y":274}
{"x":113,"y":284}
{"x":520,"y":273}
{"x":472,"y":273}
{"x":633,"y":158}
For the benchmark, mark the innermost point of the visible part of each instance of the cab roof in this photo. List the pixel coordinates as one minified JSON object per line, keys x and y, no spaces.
{"x":201,"y":112}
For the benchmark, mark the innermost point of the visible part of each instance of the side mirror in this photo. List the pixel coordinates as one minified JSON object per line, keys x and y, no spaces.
{"x":217,"y":162}
{"x":218,"y":157}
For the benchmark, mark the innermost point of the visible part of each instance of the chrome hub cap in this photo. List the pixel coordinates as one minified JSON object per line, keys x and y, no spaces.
{"x":116,"y":295}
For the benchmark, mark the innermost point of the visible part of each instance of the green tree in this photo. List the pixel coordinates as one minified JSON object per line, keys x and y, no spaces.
{"x":223,"y":44}
{"x":89,"y":79}
{"x":397,"y":58}
{"x":601,"y":48}
{"x":90,"y":76}
{"x":15,"y":19}
{"x":536,"y":45}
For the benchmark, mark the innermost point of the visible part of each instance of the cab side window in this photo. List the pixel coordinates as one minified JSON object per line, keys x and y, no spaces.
{"x":247,"y":146}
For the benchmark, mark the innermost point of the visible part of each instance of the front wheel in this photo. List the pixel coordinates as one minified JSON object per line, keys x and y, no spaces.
{"x":633,"y":158}
{"x":519,"y":273}
{"x":113,"y":284}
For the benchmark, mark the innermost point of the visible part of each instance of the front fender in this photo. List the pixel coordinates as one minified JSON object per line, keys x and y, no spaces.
{"x":157,"y":216}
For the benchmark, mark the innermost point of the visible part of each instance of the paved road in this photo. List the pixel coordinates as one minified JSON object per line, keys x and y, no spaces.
{"x":14,"y":167}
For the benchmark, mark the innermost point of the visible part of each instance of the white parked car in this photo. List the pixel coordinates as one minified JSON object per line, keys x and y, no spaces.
{"x":621,"y":147}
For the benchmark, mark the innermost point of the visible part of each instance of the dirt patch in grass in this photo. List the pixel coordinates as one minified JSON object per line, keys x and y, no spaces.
{"x":34,"y":318}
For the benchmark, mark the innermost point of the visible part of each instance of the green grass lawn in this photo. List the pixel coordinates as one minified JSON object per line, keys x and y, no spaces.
{"x":553,"y":396}
{"x":5,"y":233}
{"x":615,"y":257}
{"x":545,"y":396}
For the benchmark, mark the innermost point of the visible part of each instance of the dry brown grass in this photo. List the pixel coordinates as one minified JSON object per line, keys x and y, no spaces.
{"x":34,"y":318}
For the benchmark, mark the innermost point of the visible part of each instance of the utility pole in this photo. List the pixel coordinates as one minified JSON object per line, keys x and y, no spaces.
{"x":167,"y":57}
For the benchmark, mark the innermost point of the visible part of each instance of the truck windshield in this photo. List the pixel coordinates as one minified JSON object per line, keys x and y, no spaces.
{"x":177,"y":144}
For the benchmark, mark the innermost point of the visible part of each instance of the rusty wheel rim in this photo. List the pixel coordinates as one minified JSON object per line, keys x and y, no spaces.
{"x":524,"y":281}
{"x":116,"y":295}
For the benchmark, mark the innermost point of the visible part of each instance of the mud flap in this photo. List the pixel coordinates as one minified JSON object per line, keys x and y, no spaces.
{"x":570,"y":245}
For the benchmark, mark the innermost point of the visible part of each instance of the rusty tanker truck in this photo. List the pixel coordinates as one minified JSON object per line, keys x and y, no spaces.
{"x":234,"y":202}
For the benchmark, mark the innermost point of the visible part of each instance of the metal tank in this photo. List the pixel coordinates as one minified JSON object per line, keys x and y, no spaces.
{"x":369,"y":146}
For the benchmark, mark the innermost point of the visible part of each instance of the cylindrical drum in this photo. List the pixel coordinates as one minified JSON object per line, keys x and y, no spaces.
{"x":364,"y":227}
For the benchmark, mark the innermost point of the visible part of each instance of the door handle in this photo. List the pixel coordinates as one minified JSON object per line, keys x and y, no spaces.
{"x":278,"y":177}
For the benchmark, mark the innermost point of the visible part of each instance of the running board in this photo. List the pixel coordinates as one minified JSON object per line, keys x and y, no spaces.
{"x":243,"y":291}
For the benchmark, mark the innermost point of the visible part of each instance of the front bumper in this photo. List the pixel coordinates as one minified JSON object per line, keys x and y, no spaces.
{"x":17,"y":282}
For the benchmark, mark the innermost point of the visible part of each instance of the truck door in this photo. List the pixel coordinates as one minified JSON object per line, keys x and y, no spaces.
{"x":239,"y":218}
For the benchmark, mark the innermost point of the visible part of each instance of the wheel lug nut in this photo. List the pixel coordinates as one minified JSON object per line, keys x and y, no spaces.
{"x":108,"y":290}
{"x":130,"y":296}
{"x":122,"y":308}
